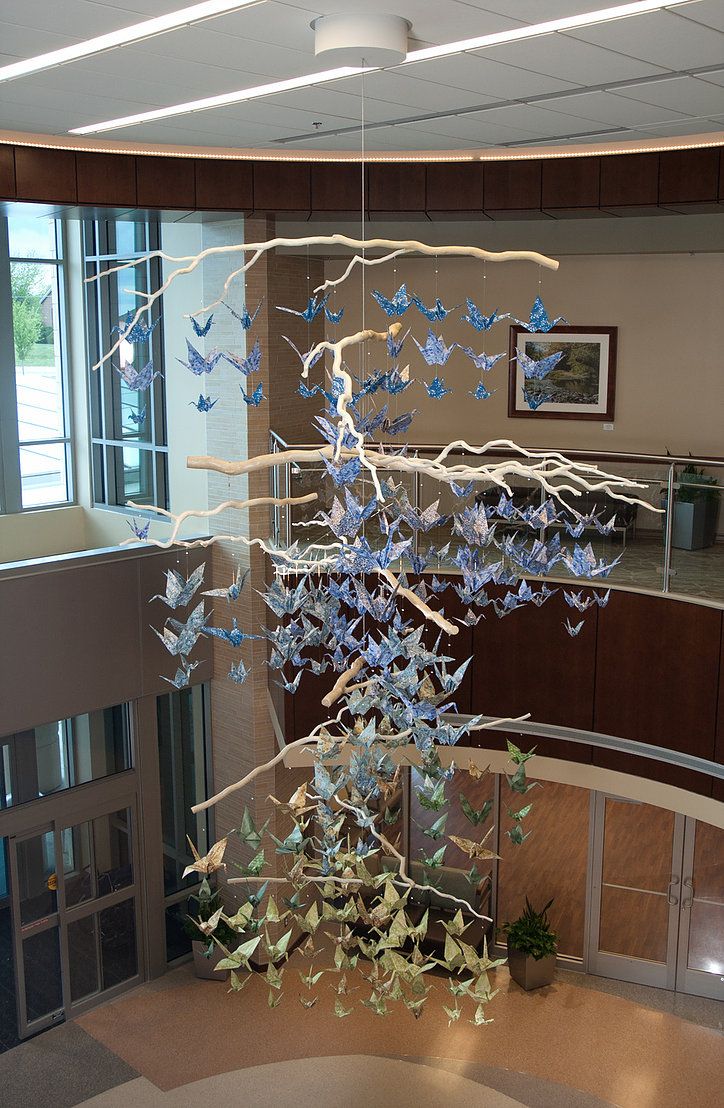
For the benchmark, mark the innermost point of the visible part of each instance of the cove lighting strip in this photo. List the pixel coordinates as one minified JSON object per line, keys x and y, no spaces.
{"x":573,"y":22}
{"x":137,"y":32}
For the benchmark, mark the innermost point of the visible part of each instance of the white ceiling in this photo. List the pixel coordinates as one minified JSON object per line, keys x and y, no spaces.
{"x":657,"y":75}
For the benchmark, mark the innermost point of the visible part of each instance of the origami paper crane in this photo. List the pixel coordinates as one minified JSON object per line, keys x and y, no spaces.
{"x":204,"y":403}
{"x":182,"y":676}
{"x":534,"y":400}
{"x":481,"y":392}
{"x":472,"y":525}
{"x":397,"y":380}
{"x":234,"y":636}
{"x":244,"y":318}
{"x":399,"y":424}
{"x":394,"y":347}
{"x":135,"y":332}
{"x":535,"y":369}
{"x":247,"y":365}
{"x":583,"y":562}
{"x":202,"y":331}
{"x":312,"y":310}
{"x":434,"y":350}
{"x":397,"y":304}
{"x":344,"y":474}
{"x":334,"y":317}
{"x":197,"y":362}
{"x":140,"y":531}
{"x":573,"y":631}
{"x":138,"y":417}
{"x":481,"y":361}
{"x":479,"y":321}
{"x":138,"y":380}
{"x":461,"y":490}
{"x":233,"y":592}
{"x":436,"y":389}
{"x":435,"y":314}
{"x":303,"y":357}
{"x":238,"y":673}
{"x":602,"y":601}
{"x":254,"y":398}
{"x":179,"y":589}
{"x":180,"y":638}
{"x":578,"y":601}
{"x":539,"y":321}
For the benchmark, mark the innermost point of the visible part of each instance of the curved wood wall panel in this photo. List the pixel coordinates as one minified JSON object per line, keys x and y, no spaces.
{"x":620,"y":184}
{"x":645,"y":668}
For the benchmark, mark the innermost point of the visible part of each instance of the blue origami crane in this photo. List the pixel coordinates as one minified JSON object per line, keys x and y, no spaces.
{"x":179,"y":589}
{"x":578,"y":601}
{"x":138,"y":380}
{"x":472,"y":524}
{"x":247,"y":365}
{"x":312,"y":310}
{"x":481,"y":392}
{"x":535,"y":369}
{"x":436,"y":388}
{"x":182,"y":676}
{"x":343,"y":474}
{"x":330,"y":431}
{"x":197,"y":362}
{"x":303,"y":357}
{"x":434,"y":350}
{"x":396,"y":382}
{"x":204,"y":403}
{"x":573,"y":631}
{"x":481,"y":361}
{"x":534,"y":400}
{"x":233,"y":592}
{"x":461,"y":490}
{"x":202,"y":331}
{"x":583,"y":562}
{"x":181,"y":640}
{"x":244,"y":318}
{"x":421,"y":520}
{"x":576,"y":529}
{"x":604,"y":528}
{"x":394,"y":347}
{"x":254,"y":398}
{"x":397,"y":304}
{"x":539,"y":321}
{"x":479,"y":321}
{"x":238,"y":673}
{"x":235,"y":636}
{"x":399,"y":424}
{"x":603,"y":600}
{"x":138,"y":417}
{"x":135,"y":332}
{"x":435,"y":314}
{"x":141,"y":532}
{"x":334,"y":317}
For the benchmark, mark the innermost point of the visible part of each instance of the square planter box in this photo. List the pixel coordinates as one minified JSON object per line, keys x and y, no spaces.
{"x":529,"y":973}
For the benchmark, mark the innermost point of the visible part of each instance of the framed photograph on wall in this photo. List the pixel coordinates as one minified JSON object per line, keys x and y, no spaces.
{"x":575,"y":377}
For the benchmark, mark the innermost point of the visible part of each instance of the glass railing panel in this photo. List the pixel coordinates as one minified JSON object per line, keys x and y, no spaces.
{"x":697,"y":559}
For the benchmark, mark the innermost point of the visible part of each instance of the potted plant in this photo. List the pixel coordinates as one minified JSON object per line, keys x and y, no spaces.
{"x":207,"y":953}
{"x":531,"y":948}
{"x":696,"y":510}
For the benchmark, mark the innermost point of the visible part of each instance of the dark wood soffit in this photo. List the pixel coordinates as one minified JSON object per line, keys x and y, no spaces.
{"x":678,"y":180}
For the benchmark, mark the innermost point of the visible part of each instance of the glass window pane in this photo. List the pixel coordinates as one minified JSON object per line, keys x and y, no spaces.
{"x":118,"y":943}
{"x":112,"y":843}
{"x":36,"y":334}
{"x":181,"y":748}
{"x":136,"y":475}
{"x":37,"y":879}
{"x":100,"y":744}
{"x":41,"y":965}
{"x":130,"y":238}
{"x":83,"y":957}
{"x":178,"y":942}
{"x":51,"y":755}
{"x":31,"y":236}
{"x":637,"y":845}
{"x":43,"y":474}
{"x":634,"y":923}
{"x":79,"y":883}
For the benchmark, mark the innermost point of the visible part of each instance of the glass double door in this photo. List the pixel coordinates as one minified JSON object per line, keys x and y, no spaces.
{"x":657,"y":898}
{"x":75,"y":912}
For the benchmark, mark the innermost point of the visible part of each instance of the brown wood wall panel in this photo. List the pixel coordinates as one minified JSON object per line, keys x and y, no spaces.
{"x":336,"y":188}
{"x":106,"y":179}
{"x":528,"y":663}
{"x":718,"y":792}
{"x":165,"y":182}
{"x":570,"y":183}
{"x":632,"y":181}
{"x":45,"y":175}
{"x":396,"y":188}
{"x":7,"y":173}
{"x":513,"y":187}
{"x":455,"y":190}
{"x":689,"y":176}
{"x":657,"y":681}
{"x":282,"y":187}
{"x":224,"y":185}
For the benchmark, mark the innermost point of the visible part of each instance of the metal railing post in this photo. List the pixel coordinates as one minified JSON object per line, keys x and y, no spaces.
{"x":668,"y":528}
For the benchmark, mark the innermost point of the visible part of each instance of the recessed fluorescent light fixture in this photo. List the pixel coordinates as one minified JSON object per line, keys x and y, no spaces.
{"x":137,"y":32}
{"x":535,"y":30}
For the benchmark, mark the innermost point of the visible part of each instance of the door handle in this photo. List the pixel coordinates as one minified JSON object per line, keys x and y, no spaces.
{"x":671,"y":896}
{"x":688,"y":884}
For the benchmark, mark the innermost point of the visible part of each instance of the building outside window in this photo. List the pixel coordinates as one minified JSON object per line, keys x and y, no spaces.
{"x":128,"y":418}
{"x":35,"y":452}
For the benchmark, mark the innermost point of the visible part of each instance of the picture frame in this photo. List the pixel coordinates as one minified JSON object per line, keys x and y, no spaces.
{"x":582,"y":385}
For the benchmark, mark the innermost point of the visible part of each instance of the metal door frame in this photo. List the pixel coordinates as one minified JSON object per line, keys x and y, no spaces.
{"x":662,"y":975}
{"x":696,"y":982}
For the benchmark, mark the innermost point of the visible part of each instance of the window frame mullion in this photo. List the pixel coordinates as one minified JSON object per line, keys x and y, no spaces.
{"x":12,"y":497}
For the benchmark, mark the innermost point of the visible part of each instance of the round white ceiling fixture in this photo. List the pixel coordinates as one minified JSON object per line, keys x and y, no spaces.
{"x":357,"y":38}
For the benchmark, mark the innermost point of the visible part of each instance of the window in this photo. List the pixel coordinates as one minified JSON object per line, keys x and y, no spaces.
{"x":128,"y":424}
{"x":35,"y":461}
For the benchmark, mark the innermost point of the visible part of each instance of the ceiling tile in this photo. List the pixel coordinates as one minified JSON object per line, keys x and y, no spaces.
{"x":531,"y":117}
{"x":400,"y":87}
{"x":607,"y":107}
{"x":715,"y":77}
{"x":659,"y":38}
{"x":683,"y":127}
{"x":708,"y":12}
{"x":569,"y":60}
{"x":464,"y":71}
{"x":533,"y":11}
{"x":686,"y":95}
